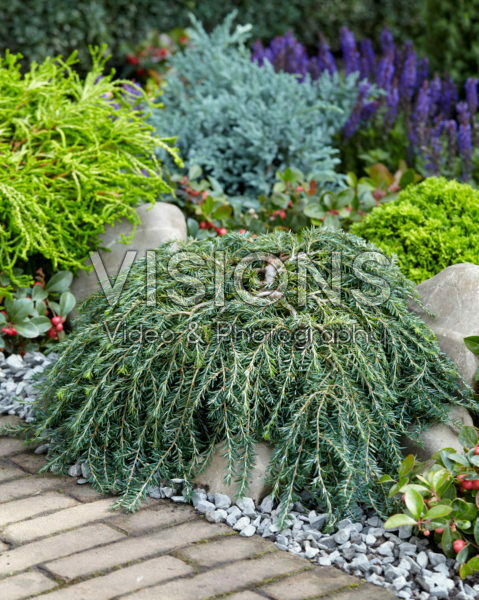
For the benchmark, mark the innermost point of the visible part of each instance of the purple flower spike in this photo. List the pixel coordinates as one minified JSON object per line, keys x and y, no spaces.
{"x":449,"y":96}
{"x":471,"y":95}
{"x":464,"y":139}
{"x":367,"y":63}
{"x":355,"y":118}
{"x":407,"y":81}
{"x":422,"y":72}
{"x":435,"y":88}
{"x":385,"y":71}
{"x":450,"y":128}
{"x":258,"y":53}
{"x":434,"y":153}
{"x":392,"y":104}
{"x":325,"y":58}
{"x":350,"y":52}
{"x":387,"y":40}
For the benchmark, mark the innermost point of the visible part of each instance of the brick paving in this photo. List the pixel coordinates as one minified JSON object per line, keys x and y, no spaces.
{"x":62,"y":541}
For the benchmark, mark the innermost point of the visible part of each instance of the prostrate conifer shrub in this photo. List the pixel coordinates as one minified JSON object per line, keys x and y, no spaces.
{"x":429,"y":227}
{"x":74,"y":155}
{"x":241,"y":122}
{"x":222,"y":367}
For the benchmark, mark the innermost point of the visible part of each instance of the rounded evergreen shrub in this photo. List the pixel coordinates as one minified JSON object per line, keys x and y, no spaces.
{"x":304,"y":341}
{"x":241,"y":122}
{"x":428,"y":227}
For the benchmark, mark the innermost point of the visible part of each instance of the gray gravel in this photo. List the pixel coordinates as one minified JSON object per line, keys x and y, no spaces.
{"x":407,"y":565}
{"x":17,"y":379}
{"x":397,"y":560}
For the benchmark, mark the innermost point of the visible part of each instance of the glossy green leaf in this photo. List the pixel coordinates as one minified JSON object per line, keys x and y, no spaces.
{"x":407,"y":466}
{"x":465,"y":511}
{"x":27,"y":329}
{"x":468,"y":436}
{"x":438,"y":511}
{"x":194,"y":172}
{"x":464,"y":554}
{"x":385,"y":479}
{"x":43,"y":324}
{"x":60,"y":282}
{"x":67,"y":303}
{"x":414,"y":503}
{"x":314,"y":211}
{"x":38,"y":293}
{"x":398,"y":521}
{"x":472,"y":342}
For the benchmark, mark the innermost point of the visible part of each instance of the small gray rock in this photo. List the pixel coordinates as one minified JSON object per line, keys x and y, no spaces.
{"x":217,"y":516}
{"x":342,"y":536}
{"x":74,"y":470}
{"x":222,"y":501}
{"x":386,"y":549}
{"x":15,"y":363}
{"x":203,"y":506}
{"x":242,"y":523}
{"x":246,"y":506}
{"x":266,"y":505}
{"x":179,"y":499}
{"x":248,"y":531}
{"x":422,"y":559}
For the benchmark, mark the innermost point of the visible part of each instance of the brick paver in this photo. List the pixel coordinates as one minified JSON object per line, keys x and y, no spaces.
{"x":25,"y":584}
{"x":134,"y":548}
{"x":26,"y":531}
{"x":123,"y":580}
{"x":63,"y":541}
{"x":9,"y":471}
{"x":306,"y":585}
{"x":19,"y":510}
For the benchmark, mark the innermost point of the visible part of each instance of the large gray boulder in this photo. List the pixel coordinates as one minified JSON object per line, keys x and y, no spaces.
{"x":453,"y":296}
{"x":438,"y":436}
{"x":213,"y":476}
{"x":159,"y":223}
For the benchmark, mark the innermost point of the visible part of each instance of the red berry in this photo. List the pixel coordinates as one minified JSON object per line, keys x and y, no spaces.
{"x":204,"y":195}
{"x":132,"y":59}
{"x":59,"y":327}
{"x":282,"y":214}
{"x":203,"y":225}
{"x":242,"y":231}
{"x":458,"y":545}
{"x":163,"y":52}
{"x":427,"y":533}
{"x":39,"y":283}
{"x":403,"y":497}
{"x":300,"y":188}
{"x":221,"y":231}
{"x":439,"y":530}
{"x":183,"y":39}
{"x":13,"y":331}
{"x":52,"y":333}
{"x":475,"y":484}
{"x":6,"y":330}
{"x":56,"y":320}
{"x":467,"y":485}
{"x":476,"y":449}
{"x":141,"y":71}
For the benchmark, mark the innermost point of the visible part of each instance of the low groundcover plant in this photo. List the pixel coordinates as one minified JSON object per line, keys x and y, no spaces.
{"x":442,"y":500}
{"x":334,"y":412}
